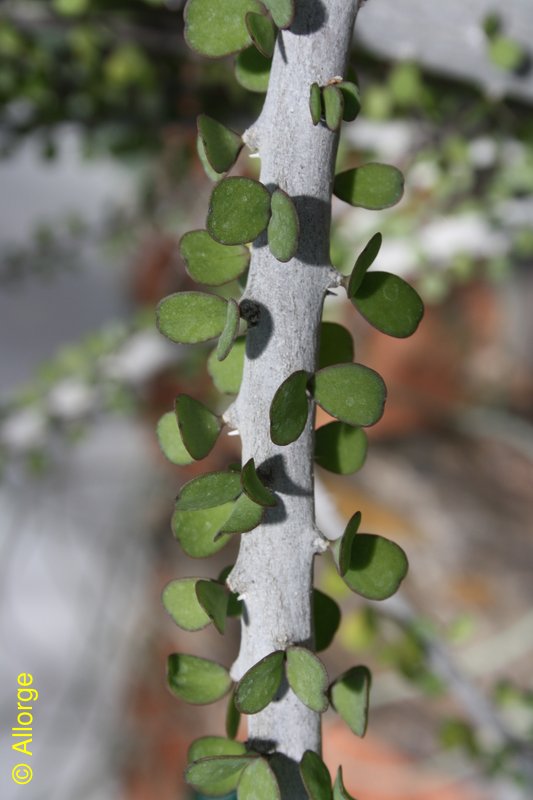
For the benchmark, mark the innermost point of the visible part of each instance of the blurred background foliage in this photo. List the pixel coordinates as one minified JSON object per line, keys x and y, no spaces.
{"x":116,"y":75}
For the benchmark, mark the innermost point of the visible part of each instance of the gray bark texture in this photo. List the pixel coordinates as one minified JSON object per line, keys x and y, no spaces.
{"x":274,"y":569}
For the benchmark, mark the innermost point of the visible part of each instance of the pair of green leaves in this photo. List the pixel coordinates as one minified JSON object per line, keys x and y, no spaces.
{"x":386,"y":301}
{"x":241,"y":209}
{"x":190,"y":432}
{"x":352,"y":393}
{"x":219,"y":766}
{"x":317,"y":780}
{"x":306,"y":675}
{"x":335,"y":102}
{"x":194,"y":602}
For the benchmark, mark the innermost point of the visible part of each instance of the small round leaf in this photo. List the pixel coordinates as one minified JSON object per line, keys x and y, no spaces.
{"x":307,"y":678}
{"x":227,"y":374}
{"x":246,"y":516}
{"x":180,"y":600}
{"x":197,"y":680}
{"x":209,"y":490}
{"x":258,"y":782}
{"x":365,"y":259}
{"x":336,"y":345}
{"x":262,"y":32}
{"x":254,"y":487}
{"x":282,"y":11}
{"x":221,"y":145}
{"x":342,"y":548}
{"x":315,"y":103}
{"x":199,"y":427}
{"x":349,"y":697}
{"x":191,"y":317}
{"x":214,"y":600}
{"x":389,"y":304}
{"x":209,"y":746}
{"x":197,"y":531}
{"x":211,"y":173}
{"x":326,"y":619}
{"x":289,"y":409}
{"x":340,"y":448}
{"x":351,"y":392}
{"x":217,"y":29}
{"x":231,"y":329}
{"x":283,"y":228}
{"x":210,"y":262}
{"x":377,"y":567}
{"x":170,"y":440}
{"x":333,"y":106}
{"x":372,"y":186}
{"x":258,"y":687}
{"x":217,"y":775}
{"x":316,"y":777}
{"x":352,"y":100}
{"x":252,"y":70}
{"x":239,"y":211}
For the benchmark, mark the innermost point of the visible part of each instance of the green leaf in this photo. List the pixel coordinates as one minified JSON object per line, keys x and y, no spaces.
{"x":197,"y":680}
{"x":342,"y":548}
{"x":239,"y":211}
{"x":372,"y":186}
{"x":336,"y":345}
{"x":210,"y":262}
{"x":216,"y":29}
{"x":70,"y":8}
{"x":227,"y":374}
{"x":315,"y":103}
{"x":221,"y":145}
{"x":262,"y":32}
{"x":170,"y":440}
{"x":217,"y":775}
{"x":233,"y":717}
{"x":352,"y":100}
{"x":282,"y":11}
{"x":190,"y":317}
{"x":307,"y":678}
{"x":389,"y":304}
{"x":231,"y":330}
{"x":326,"y":619}
{"x":365,"y":259}
{"x":316,"y":777}
{"x":180,"y":600}
{"x":339,"y":792}
{"x":506,"y":53}
{"x":214,"y":600}
{"x":209,"y":490}
{"x":252,"y":70}
{"x":377,"y":567}
{"x":234,"y":605}
{"x":246,"y":516}
{"x":340,"y":448}
{"x":199,"y":427}
{"x":258,"y":782}
{"x":283,"y":228}
{"x":289,"y":409}
{"x":333,"y":106}
{"x":351,"y":392}
{"x":254,"y":487}
{"x":258,"y":687}
{"x":349,"y":697}
{"x":197,"y":531}
{"x":209,"y":746}
{"x":212,"y":174}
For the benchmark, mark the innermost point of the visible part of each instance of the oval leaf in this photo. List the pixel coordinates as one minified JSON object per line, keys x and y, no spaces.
{"x":364,"y":261}
{"x":191,"y":317}
{"x":180,"y":600}
{"x":209,"y":746}
{"x":339,"y":791}
{"x":316,"y":777}
{"x":289,"y":409}
{"x":227,"y":374}
{"x":258,"y":782}
{"x":315,"y":103}
{"x":326,"y":619}
{"x":351,"y":392}
{"x":333,"y":106}
{"x":254,"y":487}
{"x":216,"y":29}
{"x":233,"y":717}
{"x":258,"y":687}
{"x":239,"y":211}
{"x":377,"y":567}
{"x":197,"y":680}
{"x":252,"y":70}
{"x":197,"y":531}
{"x":212,"y":174}
{"x":349,"y":697}
{"x":342,"y":548}
{"x":283,"y":228}
{"x":231,"y":329}
{"x":213,"y":598}
{"x":246,"y":516}
{"x":217,"y":775}
{"x":262,"y":33}
{"x":170,"y":440}
{"x":307,"y":678}
{"x":336,"y":345}
{"x":210,"y":262}
{"x":389,"y":304}
{"x":221,"y":145}
{"x":352,"y":100}
{"x":282,"y":11}
{"x":372,"y":186}
{"x":340,"y":448}
{"x":199,"y":427}
{"x":209,"y":490}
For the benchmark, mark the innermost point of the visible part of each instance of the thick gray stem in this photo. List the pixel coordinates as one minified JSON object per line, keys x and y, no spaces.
{"x":274,"y":569}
